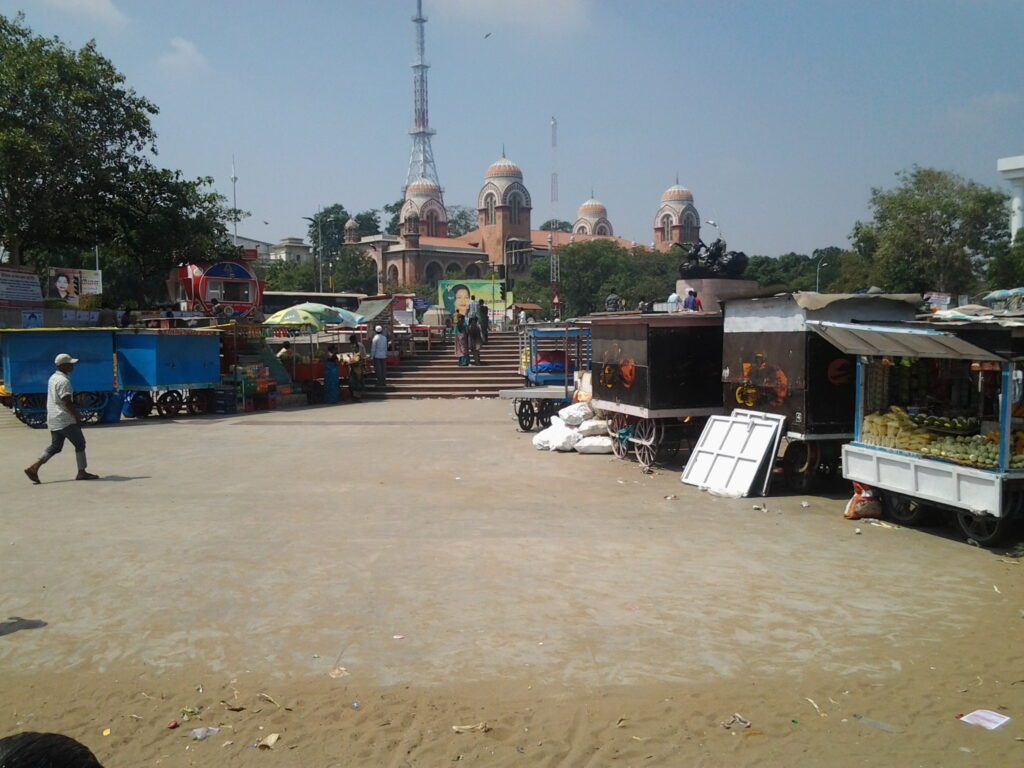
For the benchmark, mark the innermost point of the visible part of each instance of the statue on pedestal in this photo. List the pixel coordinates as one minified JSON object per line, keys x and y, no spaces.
{"x":708,"y":261}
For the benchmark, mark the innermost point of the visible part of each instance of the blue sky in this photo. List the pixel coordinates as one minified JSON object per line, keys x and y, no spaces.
{"x":780,"y":116}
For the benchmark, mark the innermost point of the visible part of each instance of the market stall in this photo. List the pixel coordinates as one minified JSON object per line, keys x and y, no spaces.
{"x":772,"y":363}
{"x":659,"y":375}
{"x":28,"y":356}
{"x":550,"y":356}
{"x":171,"y":370}
{"x":935,"y":417}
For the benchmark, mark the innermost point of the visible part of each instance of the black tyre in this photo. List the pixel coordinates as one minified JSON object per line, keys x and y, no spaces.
{"x":799,"y":467}
{"x":525,"y":414}
{"x":140,"y":405}
{"x":545,"y":410}
{"x":170,"y":403}
{"x":905,"y":510}
{"x":986,"y":530}
{"x":198,"y":402}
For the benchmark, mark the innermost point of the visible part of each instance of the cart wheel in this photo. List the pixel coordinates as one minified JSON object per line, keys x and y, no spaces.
{"x":525,"y":413}
{"x":800,"y":467}
{"x":620,"y":442}
{"x":198,"y":402}
{"x":31,"y":410}
{"x":140,"y":405}
{"x":90,"y":405}
{"x":647,"y":438}
{"x":905,"y":510}
{"x":169,"y":404}
{"x":545,"y":410}
{"x":987,"y":530}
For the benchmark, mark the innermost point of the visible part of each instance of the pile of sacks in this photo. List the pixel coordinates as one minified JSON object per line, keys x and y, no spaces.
{"x":575,"y":428}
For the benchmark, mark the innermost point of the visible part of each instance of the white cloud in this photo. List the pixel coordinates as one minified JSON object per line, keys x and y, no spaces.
{"x":183,"y":59}
{"x":981,"y":111}
{"x":541,"y":16}
{"x":101,"y":10}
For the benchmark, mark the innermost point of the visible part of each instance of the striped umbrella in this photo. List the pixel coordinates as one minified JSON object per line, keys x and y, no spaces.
{"x":295,"y":316}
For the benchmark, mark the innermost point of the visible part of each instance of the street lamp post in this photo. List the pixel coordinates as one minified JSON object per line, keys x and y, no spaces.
{"x":817,"y":274}
{"x":319,"y":221}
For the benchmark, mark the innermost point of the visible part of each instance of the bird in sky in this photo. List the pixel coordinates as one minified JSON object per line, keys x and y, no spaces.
{"x":487,"y":35}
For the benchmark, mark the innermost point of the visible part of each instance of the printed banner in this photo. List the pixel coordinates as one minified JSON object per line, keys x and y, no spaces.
{"x":32,"y":319}
{"x":456,"y":295}
{"x":19,"y":288}
{"x":69,"y":284}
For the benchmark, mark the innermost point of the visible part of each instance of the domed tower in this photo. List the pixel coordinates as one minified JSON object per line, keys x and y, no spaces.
{"x":423,"y":212}
{"x":351,"y":231}
{"x":593,"y":219}
{"x":677,"y":220}
{"x":503,"y":211}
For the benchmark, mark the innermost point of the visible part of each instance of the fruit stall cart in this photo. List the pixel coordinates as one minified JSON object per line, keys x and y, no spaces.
{"x":170,"y":370}
{"x":658,"y":375}
{"x":772,"y":362}
{"x":550,"y":356}
{"x":934,"y":421}
{"x":28,"y":364}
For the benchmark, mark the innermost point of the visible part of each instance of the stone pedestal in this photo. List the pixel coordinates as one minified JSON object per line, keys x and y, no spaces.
{"x":712,"y":290}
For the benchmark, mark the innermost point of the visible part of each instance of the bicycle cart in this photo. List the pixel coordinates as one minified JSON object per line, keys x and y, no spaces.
{"x":28,"y":356}
{"x":167,"y":370}
{"x":658,"y":376}
{"x":772,"y":362}
{"x":549,"y":357}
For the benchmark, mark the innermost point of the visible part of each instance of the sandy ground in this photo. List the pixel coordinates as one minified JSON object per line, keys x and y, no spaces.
{"x":361,"y":578}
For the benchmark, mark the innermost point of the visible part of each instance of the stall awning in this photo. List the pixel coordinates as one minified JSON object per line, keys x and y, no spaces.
{"x":879,"y":340}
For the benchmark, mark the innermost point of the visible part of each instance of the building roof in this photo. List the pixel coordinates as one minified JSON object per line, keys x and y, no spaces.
{"x":503,"y":168}
{"x":422,"y":186}
{"x":593,"y":209}
{"x":677,"y":194}
{"x":539,"y":239}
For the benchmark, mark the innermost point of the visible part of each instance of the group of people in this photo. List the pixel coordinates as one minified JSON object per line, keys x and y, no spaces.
{"x":676,"y":303}
{"x":330,"y":356}
{"x":471,"y":330}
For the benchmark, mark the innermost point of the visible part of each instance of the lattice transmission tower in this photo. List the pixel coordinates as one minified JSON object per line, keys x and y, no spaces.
{"x":421,"y":161}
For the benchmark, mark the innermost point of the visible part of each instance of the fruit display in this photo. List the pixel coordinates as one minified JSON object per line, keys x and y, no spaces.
{"x":974,"y":451}
{"x":894,"y":429}
{"x":958,"y":425}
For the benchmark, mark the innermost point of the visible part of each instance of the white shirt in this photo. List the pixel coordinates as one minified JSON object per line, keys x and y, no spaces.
{"x":57,"y":415}
{"x":379,"y":347}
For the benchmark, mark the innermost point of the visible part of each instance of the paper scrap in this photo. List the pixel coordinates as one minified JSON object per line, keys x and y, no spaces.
{"x":481,"y":727}
{"x":986,"y":718}
{"x":269,"y":741}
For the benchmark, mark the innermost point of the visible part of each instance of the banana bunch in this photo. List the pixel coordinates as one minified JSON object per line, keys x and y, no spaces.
{"x":913,"y":439}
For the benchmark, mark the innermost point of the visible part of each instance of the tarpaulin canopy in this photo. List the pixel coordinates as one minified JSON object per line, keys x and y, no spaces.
{"x":811,"y":300}
{"x":881,"y":340}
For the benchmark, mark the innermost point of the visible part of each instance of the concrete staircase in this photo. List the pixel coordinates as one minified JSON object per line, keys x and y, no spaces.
{"x":437,"y":373}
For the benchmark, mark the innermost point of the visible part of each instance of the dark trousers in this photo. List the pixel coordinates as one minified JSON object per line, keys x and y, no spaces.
{"x":379,"y":369}
{"x":72,"y":434}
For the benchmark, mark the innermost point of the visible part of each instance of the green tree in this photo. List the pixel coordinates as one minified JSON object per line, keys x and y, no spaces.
{"x":352,"y":270}
{"x":588,"y":272}
{"x":329,"y":221}
{"x":935,"y":231}
{"x":1006,"y":269}
{"x":71,"y":135}
{"x":368,"y":222}
{"x":284,"y":276}
{"x":393,"y":211}
{"x":556,"y":225}
{"x":460,"y":220}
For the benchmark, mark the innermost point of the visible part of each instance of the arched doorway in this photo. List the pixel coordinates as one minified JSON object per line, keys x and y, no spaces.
{"x":454,"y":270}
{"x":473,"y":272}
{"x":393,"y":275}
{"x":433,"y":273}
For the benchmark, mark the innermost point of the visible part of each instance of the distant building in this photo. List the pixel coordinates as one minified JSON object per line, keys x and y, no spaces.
{"x":261,"y":247}
{"x":291,"y":250}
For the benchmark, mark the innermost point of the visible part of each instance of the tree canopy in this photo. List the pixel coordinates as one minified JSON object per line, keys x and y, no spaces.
{"x":556,"y":225}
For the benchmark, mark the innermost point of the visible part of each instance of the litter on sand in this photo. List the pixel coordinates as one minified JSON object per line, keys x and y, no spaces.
{"x":996,"y":589}
{"x":816,"y":707}
{"x":805,"y":504}
{"x":398,"y":637}
{"x":267,"y":697}
{"x":200,"y":734}
{"x":986,"y":718}
{"x":268,"y":741}
{"x":480,"y":727}
{"x":106,"y":731}
{"x":878,"y":725}
{"x":736,"y":721}
{"x":338,"y":672}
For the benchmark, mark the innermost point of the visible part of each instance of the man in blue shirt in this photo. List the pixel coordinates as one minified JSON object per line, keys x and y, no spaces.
{"x":379,"y":353}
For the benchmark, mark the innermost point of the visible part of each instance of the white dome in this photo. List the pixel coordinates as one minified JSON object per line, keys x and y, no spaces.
{"x":503,"y":169}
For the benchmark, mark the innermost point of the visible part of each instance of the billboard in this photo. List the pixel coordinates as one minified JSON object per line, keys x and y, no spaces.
{"x":69,"y":285}
{"x":456,"y":295}
{"x":19,"y":288}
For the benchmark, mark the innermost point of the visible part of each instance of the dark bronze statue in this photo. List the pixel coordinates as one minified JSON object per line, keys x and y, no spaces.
{"x":712,"y":261}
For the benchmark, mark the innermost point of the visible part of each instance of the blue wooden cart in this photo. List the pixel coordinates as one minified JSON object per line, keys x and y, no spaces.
{"x":28,"y":356}
{"x":169,"y":370}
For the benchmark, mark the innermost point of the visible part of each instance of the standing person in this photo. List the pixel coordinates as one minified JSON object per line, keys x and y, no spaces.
{"x":485,"y":320}
{"x":697,"y":305}
{"x":284,"y":354}
{"x":461,"y":341}
{"x":474,"y":308}
{"x":62,"y":419}
{"x":689,"y":305}
{"x":379,"y":353}
{"x":612,"y":301}
{"x":476,"y":340}
{"x":355,"y":369}
{"x":522,"y":318}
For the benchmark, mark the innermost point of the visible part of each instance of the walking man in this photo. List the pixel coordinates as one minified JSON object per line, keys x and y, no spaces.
{"x":379,"y":353}
{"x":62,"y":419}
{"x":476,"y":340}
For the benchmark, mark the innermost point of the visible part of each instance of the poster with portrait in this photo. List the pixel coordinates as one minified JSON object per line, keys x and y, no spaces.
{"x":69,"y":285}
{"x":456,"y":294}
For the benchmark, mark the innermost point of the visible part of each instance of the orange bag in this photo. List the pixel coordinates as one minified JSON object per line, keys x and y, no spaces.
{"x":863,"y":505}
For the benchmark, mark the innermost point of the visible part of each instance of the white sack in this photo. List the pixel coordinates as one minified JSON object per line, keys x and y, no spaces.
{"x":594,"y":444}
{"x":562,"y":439}
{"x":574,"y":415}
{"x":592,"y":427}
{"x":542,"y":440}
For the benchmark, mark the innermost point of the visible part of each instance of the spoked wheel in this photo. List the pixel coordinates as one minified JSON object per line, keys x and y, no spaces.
{"x":620,"y":442}
{"x":545,"y":410}
{"x":800,"y":467}
{"x":170,"y":403}
{"x":646,"y":440}
{"x":525,"y":414}
{"x":90,"y":405}
{"x":905,"y":510}
{"x":31,"y":410}
{"x":198,"y":402}
{"x":987,"y":530}
{"x":139,"y":405}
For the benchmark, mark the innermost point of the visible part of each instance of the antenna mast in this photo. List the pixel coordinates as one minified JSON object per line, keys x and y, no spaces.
{"x":421,"y":161}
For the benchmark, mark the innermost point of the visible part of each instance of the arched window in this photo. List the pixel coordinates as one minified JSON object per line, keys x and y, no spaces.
{"x":489,"y":203}
{"x":412,"y":225}
{"x":515,"y":203}
{"x":602,"y":230}
{"x":691,"y":228}
{"x":431,"y":223}
{"x":666,"y":227}
{"x":393,"y":275}
{"x":433,"y":273}
{"x":581,"y":230}
{"x":472,"y":271}
{"x":453,"y":270}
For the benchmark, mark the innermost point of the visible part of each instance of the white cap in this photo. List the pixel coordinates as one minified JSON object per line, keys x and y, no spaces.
{"x":63,"y":359}
{"x":378,"y":329}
